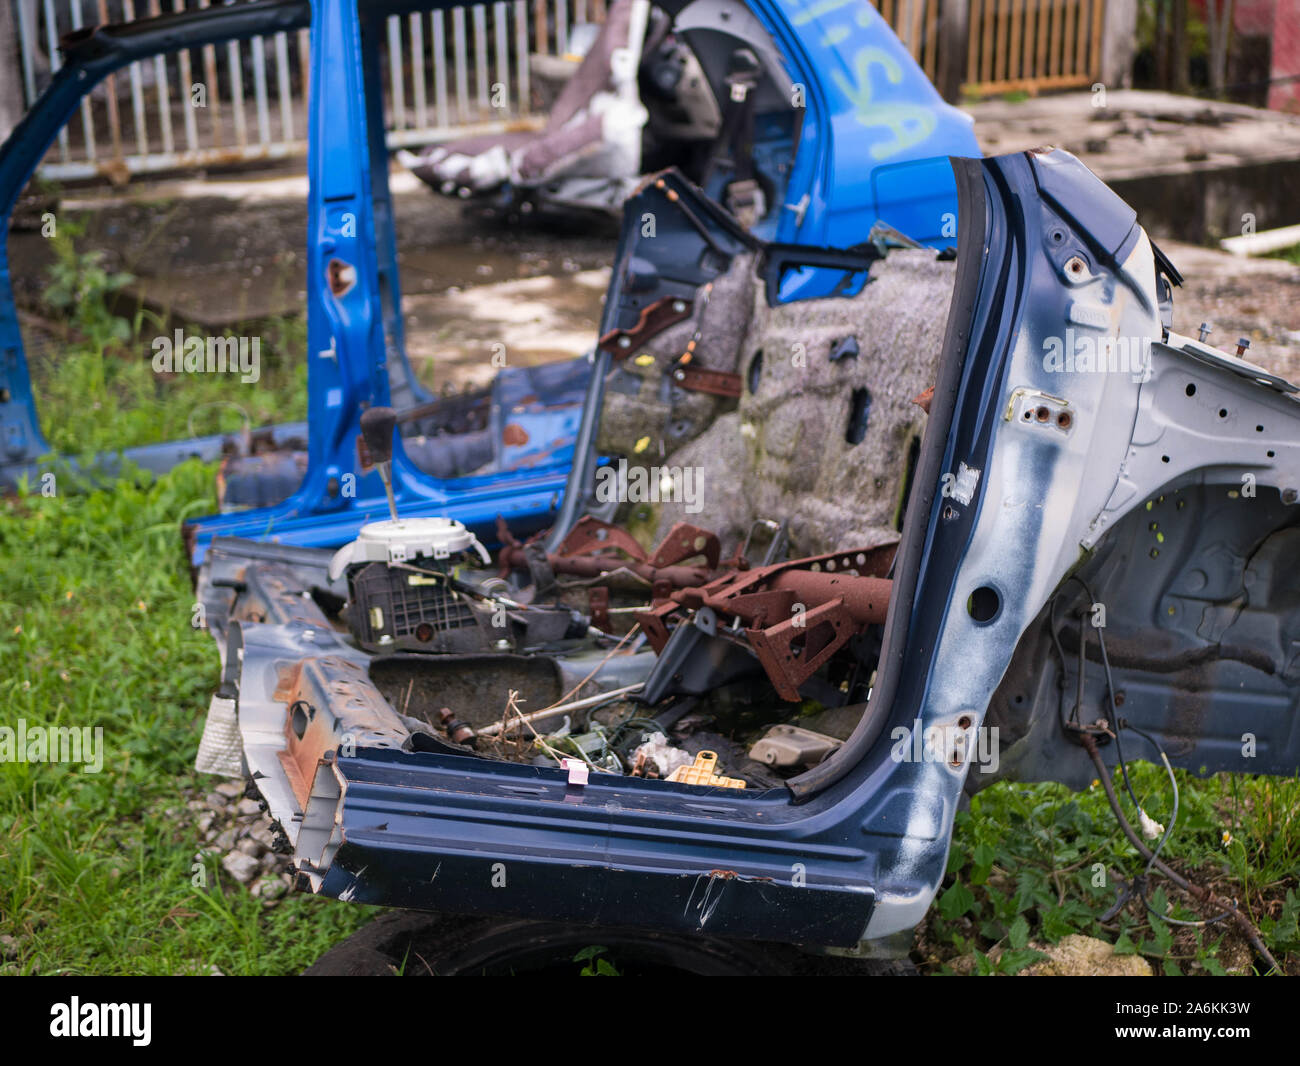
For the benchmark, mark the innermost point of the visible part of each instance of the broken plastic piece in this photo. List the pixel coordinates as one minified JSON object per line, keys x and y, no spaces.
{"x":221,"y":751}
{"x":792,"y":745}
{"x":405,"y":541}
{"x":578,"y":770}
{"x":701,"y":772}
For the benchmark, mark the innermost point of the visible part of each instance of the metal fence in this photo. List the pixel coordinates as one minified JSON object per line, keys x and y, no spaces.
{"x":1009,"y":45}
{"x":1034,"y":44}
{"x":449,"y":73}
{"x":455,"y":72}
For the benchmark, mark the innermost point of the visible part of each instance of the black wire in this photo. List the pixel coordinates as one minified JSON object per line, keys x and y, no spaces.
{"x":1140,"y":882}
{"x":1110,"y":691}
{"x":1060,"y":654}
{"x":647,"y":726}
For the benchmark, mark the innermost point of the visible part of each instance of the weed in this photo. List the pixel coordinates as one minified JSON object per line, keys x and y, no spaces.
{"x":1034,"y":863}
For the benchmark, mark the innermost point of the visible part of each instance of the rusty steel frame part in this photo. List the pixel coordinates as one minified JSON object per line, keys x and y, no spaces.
{"x":797,"y":614}
{"x":586,"y":553}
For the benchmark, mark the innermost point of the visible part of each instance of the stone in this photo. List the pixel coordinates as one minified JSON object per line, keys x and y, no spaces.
{"x":269,"y":888}
{"x":243,"y":868}
{"x":250,"y":847}
{"x":1085,"y":956}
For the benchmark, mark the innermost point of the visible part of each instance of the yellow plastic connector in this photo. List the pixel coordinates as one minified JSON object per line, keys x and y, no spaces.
{"x":701,"y":772}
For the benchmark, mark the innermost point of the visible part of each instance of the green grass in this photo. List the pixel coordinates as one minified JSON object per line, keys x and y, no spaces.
{"x":96,"y":389}
{"x":96,"y":870}
{"x":93,"y":401}
{"x":1291,"y":255}
{"x":95,"y":607}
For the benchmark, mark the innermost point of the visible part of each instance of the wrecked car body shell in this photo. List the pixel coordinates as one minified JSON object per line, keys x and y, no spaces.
{"x":1026,"y":474}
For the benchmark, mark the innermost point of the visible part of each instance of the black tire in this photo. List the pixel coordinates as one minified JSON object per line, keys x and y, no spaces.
{"x":414,"y":943}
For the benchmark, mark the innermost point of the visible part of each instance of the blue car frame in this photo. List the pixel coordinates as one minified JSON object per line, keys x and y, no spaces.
{"x":873,"y":138}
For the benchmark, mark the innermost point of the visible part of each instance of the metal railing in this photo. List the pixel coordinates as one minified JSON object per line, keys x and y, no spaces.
{"x":449,"y":73}
{"x":1009,"y":45}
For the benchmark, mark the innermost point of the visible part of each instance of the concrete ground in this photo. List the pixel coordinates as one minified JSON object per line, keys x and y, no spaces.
{"x":219,"y":252}
{"x":1254,"y":298}
{"x":1128,"y":133}
{"x":1194,"y":169}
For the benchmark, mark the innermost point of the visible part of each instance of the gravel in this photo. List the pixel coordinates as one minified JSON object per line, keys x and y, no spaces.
{"x":234,"y":826}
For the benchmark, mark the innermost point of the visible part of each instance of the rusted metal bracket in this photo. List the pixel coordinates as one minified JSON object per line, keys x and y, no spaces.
{"x":715,"y":382}
{"x":653,"y":320}
{"x":585,"y":553}
{"x":685,"y":541}
{"x":598,"y":601}
{"x":793,"y":650}
{"x":591,"y":535}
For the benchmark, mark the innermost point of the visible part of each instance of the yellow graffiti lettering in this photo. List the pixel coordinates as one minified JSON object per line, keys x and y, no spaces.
{"x":909,"y":123}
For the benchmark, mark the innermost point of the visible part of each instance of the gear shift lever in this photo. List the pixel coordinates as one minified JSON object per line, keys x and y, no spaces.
{"x":377,"y":425}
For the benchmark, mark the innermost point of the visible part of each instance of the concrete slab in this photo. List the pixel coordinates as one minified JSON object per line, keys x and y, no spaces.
{"x":1193,"y":169}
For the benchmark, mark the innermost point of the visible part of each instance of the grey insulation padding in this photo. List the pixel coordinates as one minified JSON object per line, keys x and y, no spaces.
{"x":781,"y":451}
